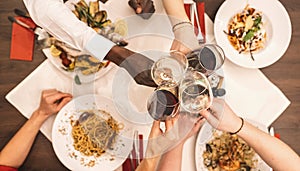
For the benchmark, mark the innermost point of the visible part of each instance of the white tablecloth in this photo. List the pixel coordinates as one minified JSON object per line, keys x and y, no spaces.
{"x":249,"y":92}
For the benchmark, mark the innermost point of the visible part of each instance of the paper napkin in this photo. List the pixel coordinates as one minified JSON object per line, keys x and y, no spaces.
{"x":22,"y":41}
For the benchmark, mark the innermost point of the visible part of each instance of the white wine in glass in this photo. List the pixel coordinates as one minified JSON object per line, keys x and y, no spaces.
{"x":169,"y":69}
{"x":195,"y":92}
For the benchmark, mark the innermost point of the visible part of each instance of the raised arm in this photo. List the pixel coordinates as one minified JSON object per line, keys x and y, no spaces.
{"x":185,"y":38}
{"x":175,"y":10}
{"x":17,"y":149}
{"x":58,"y":20}
{"x":171,"y":160}
{"x":273,"y":151}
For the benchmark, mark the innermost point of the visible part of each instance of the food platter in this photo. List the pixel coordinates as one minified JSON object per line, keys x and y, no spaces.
{"x":63,"y":142}
{"x":56,"y":61}
{"x":277,"y":26}
{"x":206,"y":134}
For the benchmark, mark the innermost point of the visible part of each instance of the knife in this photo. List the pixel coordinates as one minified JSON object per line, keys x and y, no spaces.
{"x":21,"y":13}
{"x":42,"y":34}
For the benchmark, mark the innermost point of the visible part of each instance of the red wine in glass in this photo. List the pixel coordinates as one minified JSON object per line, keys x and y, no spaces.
{"x":207,"y":59}
{"x":162,"y":104}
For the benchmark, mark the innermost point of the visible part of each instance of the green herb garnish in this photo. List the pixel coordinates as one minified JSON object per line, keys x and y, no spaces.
{"x":257,"y":21}
{"x":248,"y":36}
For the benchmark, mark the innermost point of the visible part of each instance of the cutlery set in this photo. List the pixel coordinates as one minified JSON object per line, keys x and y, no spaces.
{"x":41,"y":33}
{"x":195,"y":19}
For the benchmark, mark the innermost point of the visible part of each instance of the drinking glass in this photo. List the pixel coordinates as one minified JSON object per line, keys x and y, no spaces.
{"x":169,"y":69}
{"x":207,"y":59}
{"x":163,"y":104}
{"x":195,"y":93}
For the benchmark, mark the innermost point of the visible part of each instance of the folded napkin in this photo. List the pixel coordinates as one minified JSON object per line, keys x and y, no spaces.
{"x":200,"y":13}
{"x":22,"y":41}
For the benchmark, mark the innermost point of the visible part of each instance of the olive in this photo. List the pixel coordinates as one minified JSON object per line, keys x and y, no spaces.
{"x":208,"y":148}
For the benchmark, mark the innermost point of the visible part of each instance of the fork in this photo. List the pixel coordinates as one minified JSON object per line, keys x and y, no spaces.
{"x":136,"y":147}
{"x":195,"y":13}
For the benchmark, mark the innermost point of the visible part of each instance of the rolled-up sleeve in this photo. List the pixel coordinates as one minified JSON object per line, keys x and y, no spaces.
{"x":58,"y":20}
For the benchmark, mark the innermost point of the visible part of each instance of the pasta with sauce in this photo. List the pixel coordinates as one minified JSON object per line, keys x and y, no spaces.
{"x":93,"y":134}
{"x":246,"y":31}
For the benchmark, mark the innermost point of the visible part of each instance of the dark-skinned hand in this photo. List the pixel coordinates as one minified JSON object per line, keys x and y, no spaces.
{"x":144,"y":8}
{"x":136,"y":64}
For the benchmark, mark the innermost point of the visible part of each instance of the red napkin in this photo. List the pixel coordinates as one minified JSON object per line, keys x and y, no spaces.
{"x":127,"y":164}
{"x":277,"y":135}
{"x":22,"y":41}
{"x":7,"y":168}
{"x":200,"y":12}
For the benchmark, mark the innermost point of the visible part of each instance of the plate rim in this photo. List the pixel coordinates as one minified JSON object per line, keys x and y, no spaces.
{"x":231,"y":53}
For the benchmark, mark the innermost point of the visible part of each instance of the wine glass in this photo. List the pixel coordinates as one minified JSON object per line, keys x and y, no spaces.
{"x":195,"y":92}
{"x":207,"y":59}
{"x":169,"y":69}
{"x":163,"y":104}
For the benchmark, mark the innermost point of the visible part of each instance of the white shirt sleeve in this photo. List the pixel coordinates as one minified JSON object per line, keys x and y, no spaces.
{"x":58,"y":20}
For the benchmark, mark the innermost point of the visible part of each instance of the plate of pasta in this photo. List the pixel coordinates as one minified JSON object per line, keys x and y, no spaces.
{"x":251,"y":34}
{"x":217,"y":150}
{"x":89,"y":134}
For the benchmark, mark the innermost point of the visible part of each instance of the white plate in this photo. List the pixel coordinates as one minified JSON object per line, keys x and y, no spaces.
{"x":205,"y":135}
{"x":278,"y":29}
{"x":63,"y":142}
{"x":56,"y":61}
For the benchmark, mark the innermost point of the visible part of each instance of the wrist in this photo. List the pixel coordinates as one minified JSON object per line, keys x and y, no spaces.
{"x":118,"y":54}
{"x":237,"y":130}
{"x":148,"y":164}
{"x":184,"y":33}
{"x":180,"y":24}
{"x":38,"y":117}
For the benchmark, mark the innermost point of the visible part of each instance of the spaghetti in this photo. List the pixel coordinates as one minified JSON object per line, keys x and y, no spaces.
{"x":94,"y":134}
